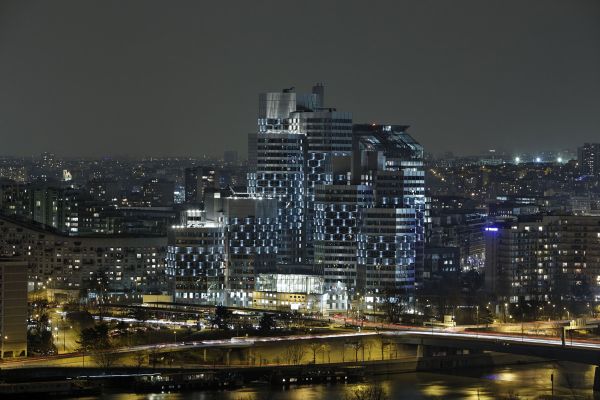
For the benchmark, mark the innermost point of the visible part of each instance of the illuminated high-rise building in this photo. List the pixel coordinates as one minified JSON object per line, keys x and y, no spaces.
{"x":195,"y":262}
{"x":214,"y":256}
{"x":279,"y":174}
{"x":328,"y":136}
{"x":290,"y":154}
{"x":250,"y":226}
{"x":392,"y":238}
{"x":337,"y":219}
{"x":351,"y":198}
{"x":369,"y":225}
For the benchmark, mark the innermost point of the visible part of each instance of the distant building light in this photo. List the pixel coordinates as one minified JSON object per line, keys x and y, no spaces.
{"x":538,"y":159}
{"x":491,"y":229}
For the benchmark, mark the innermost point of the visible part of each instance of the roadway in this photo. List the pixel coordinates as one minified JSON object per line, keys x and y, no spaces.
{"x":584,"y":351}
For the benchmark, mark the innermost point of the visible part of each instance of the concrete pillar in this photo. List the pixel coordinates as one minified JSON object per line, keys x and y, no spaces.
{"x":597,"y":380}
{"x":204,"y":354}
{"x":420,"y":351}
{"x":228,"y":352}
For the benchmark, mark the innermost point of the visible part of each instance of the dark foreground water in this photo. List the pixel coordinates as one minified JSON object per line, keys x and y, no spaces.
{"x":571,"y":381}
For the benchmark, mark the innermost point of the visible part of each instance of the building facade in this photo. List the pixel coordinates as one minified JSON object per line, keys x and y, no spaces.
{"x":195,"y":262}
{"x":197,"y":180}
{"x":290,"y":155}
{"x":392,"y":237}
{"x":13,"y":308}
{"x":338,"y":212}
{"x":280,"y":175}
{"x":297,"y":292}
{"x":545,"y":258}
{"x":132,"y":264}
{"x":588,"y":157}
{"x":251,"y":239}
{"x":214,"y":258}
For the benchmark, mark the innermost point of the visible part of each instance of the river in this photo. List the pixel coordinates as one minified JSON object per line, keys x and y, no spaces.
{"x":533,"y":381}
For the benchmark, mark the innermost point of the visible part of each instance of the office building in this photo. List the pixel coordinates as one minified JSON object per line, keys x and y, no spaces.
{"x":251,"y":238}
{"x":337,"y":223}
{"x":280,"y":174}
{"x":297,"y":292}
{"x":290,"y":154}
{"x":195,"y":262}
{"x":215,"y":255}
{"x":392,"y":237}
{"x":328,"y":137}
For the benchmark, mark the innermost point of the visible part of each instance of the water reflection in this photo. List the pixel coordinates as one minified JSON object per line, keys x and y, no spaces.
{"x":571,"y":381}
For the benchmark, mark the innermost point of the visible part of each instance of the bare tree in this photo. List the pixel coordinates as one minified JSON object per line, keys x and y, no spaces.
{"x":140,"y":359}
{"x":356,"y":346}
{"x":369,"y":347}
{"x":327,"y":349}
{"x":106,"y":359}
{"x":294,"y":353}
{"x":393,"y":303}
{"x":382,"y":344}
{"x":153,"y":356}
{"x":556,"y":329}
{"x":315,"y":347}
{"x":368,"y":393}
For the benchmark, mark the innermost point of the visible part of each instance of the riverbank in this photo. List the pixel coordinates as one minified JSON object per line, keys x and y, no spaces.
{"x":177,"y":379}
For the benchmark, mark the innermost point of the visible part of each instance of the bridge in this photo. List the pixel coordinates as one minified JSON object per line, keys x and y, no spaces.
{"x":578,"y":351}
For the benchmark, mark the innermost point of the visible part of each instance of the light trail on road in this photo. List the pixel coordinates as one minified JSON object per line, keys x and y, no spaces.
{"x":251,"y":341}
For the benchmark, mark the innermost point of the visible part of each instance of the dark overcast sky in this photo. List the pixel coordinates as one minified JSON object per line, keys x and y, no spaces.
{"x":182,"y":77}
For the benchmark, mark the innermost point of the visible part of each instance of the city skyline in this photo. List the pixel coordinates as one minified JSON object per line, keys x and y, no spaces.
{"x":268,"y":198}
{"x":461,"y":79}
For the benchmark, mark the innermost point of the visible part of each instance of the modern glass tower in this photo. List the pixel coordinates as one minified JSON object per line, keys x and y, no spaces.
{"x":337,"y":219}
{"x":196,"y":262}
{"x":328,"y":135}
{"x":290,"y":154}
{"x":250,"y":240}
{"x":391,"y":240}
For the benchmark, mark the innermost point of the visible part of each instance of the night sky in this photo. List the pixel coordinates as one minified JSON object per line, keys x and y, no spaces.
{"x":93,"y":78}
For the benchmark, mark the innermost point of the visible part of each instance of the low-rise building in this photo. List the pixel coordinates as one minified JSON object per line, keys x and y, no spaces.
{"x":297,"y":292}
